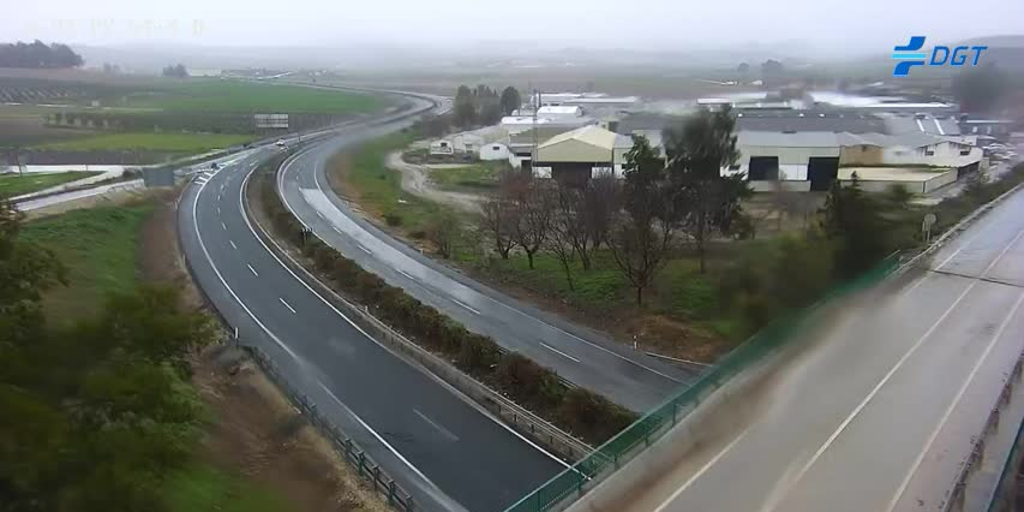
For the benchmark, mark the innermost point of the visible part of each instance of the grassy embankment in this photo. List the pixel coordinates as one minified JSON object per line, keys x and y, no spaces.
{"x":475,"y":178}
{"x":16,"y":184}
{"x":99,"y":248}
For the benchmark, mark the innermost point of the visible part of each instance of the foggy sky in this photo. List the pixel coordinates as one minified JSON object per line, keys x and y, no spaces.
{"x":854,"y":25}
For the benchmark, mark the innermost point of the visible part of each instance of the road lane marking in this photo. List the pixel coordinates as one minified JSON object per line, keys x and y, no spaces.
{"x":463,"y":304}
{"x":290,"y":308}
{"x":714,"y":460}
{"x":280,"y":185}
{"x":218,"y":210}
{"x":232,"y":242}
{"x":252,"y":270}
{"x":364,"y":249}
{"x":376,"y":435}
{"x":223,"y":225}
{"x":956,"y":401}
{"x":892,"y":371}
{"x":406,"y":274}
{"x":318,"y":214}
{"x":445,"y":432}
{"x":559,"y":352}
{"x":340,"y":232}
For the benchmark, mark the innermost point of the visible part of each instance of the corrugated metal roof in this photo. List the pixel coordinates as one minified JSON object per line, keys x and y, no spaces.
{"x":593,"y":135}
{"x":819,"y":139}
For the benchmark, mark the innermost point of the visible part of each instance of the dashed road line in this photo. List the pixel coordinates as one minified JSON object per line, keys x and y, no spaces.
{"x":467,"y":306}
{"x":290,"y":308}
{"x":559,"y":352}
{"x":232,"y":242}
{"x":445,"y":432}
{"x":252,"y":270}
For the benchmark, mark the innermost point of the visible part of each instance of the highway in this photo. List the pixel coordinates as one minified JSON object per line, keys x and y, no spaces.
{"x":582,"y":356}
{"x":880,"y":411}
{"x":448,"y":453}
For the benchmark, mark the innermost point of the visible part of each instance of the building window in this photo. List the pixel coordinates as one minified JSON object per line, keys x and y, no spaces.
{"x":929,"y":152}
{"x":496,"y":148}
{"x":965,"y":151}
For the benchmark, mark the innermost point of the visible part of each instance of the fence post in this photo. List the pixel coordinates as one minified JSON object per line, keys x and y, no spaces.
{"x":362,"y":463}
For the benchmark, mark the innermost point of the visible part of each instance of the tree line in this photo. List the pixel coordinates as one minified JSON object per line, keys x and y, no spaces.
{"x":483,"y":106}
{"x":38,"y":55}
{"x":93,"y":416}
{"x":175,"y":71}
{"x":662,"y":199}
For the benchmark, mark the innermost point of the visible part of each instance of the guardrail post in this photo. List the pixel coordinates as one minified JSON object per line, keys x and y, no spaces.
{"x":362,"y":463}
{"x":391,"y":492}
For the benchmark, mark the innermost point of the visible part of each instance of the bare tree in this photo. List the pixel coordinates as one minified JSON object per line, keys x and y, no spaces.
{"x":444,"y":231}
{"x":602,"y":198}
{"x":535,"y":210}
{"x":569,"y":235}
{"x":500,"y":212}
{"x":640,"y":236}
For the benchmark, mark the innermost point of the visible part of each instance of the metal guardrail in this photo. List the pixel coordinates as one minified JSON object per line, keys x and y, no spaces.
{"x":610,"y":456}
{"x":367,"y":469}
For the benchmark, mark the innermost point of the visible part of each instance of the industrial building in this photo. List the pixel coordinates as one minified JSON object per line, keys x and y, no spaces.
{"x":576,"y":156}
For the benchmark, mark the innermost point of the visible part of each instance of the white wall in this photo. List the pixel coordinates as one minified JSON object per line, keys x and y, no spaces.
{"x":494,"y":151}
{"x":945,"y":154}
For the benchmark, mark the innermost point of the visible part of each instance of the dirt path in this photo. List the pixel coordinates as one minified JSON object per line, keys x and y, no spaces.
{"x":416,"y":180}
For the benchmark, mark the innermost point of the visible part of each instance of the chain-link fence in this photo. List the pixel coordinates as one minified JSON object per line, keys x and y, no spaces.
{"x":610,"y":456}
{"x":367,"y":469}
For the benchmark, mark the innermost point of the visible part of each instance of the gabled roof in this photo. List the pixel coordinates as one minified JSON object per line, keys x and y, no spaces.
{"x":591,"y":134}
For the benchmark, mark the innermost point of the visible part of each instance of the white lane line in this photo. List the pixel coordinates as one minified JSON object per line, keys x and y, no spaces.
{"x":340,"y":232}
{"x":714,"y":460}
{"x":956,"y":401}
{"x":223,"y":225}
{"x":892,"y":371}
{"x":289,"y":306}
{"x":364,"y":249}
{"x":377,"y":436}
{"x":559,"y":352}
{"x":406,"y":274}
{"x":232,"y":242}
{"x":218,"y":210}
{"x":201,"y":182}
{"x":356,"y":326}
{"x":318,"y":214}
{"x":463,"y":304}
{"x":252,"y":270}
{"x":444,"y":432}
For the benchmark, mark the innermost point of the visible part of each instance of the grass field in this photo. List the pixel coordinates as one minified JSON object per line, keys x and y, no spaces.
{"x":206,"y":488}
{"x":475,"y":178}
{"x":98,"y":246}
{"x":173,"y":142}
{"x":15,"y":184}
{"x":380,"y":188}
{"x":236,"y":96}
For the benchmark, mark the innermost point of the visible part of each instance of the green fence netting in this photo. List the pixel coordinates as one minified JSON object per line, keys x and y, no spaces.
{"x":633,"y":439}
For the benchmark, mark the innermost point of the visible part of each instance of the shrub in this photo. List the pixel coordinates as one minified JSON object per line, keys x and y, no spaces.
{"x":591,"y":416}
{"x":527,"y":382}
{"x":393,"y":219}
{"x":477,"y":355}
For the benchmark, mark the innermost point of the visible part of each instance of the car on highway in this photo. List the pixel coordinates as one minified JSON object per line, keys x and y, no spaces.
{"x":280,"y":143}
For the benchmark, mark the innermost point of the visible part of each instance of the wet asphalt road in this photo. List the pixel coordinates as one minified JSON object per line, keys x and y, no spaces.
{"x":881,"y":413}
{"x":439,"y":447}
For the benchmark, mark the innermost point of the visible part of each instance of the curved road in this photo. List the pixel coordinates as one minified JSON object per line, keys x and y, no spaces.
{"x":882,"y":411}
{"x":445,"y":451}
{"x":584,"y":357}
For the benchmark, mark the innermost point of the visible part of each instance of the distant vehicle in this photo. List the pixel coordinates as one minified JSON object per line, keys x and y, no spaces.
{"x":247,"y":145}
{"x":280,"y":143}
{"x":214,"y":166}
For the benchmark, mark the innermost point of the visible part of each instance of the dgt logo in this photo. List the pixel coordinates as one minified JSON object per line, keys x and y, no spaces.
{"x":909,"y":55}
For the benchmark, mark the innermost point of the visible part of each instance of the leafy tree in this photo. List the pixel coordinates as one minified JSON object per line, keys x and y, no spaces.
{"x":706,"y":202}
{"x":38,"y":55}
{"x":640,"y":236}
{"x":464,"y":109}
{"x":855,"y":221}
{"x":772,"y":72}
{"x":176,"y":71}
{"x":979,"y":88}
{"x":510,"y":100}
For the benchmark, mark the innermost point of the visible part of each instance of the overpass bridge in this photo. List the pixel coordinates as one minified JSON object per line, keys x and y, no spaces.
{"x":903,"y":397}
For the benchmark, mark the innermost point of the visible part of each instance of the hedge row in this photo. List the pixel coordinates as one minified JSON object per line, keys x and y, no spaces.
{"x":578,"y":411}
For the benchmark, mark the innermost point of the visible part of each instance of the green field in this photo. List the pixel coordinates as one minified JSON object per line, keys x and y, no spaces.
{"x":235,"y":96}
{"x":477,"y":177}
{"x":206,"y":488}
{"x":16,"y":184}
{"x":380,"y":188}
{"x":172,"y":142}
{"x":98,"y":246}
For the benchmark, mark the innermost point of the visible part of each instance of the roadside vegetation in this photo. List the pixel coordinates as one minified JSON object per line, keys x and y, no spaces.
{"x":579,"y":412}
{"x":700,"y":279}
{"x":213,"y":95}
{"x":15,"y":184}
{"x":478,"y":177}
{"x":106,"y":403}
